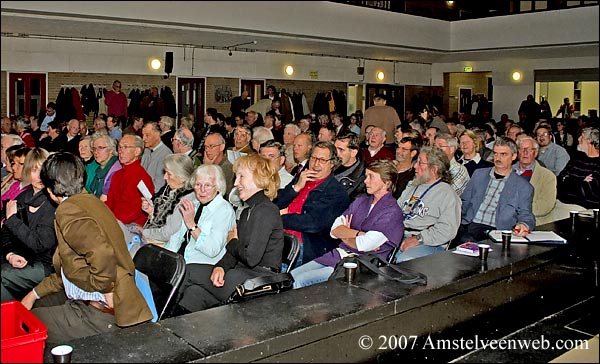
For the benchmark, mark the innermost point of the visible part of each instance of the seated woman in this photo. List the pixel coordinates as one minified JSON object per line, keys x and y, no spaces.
{"x":204,"y":220}
{"x":28,"y":237}
{"x":9,"y":178}
{"x":254,"y":247}
{"x":371,"y":223}
{"x":163,"y":218}
{"x":13,"y":188}
{"x":105,"y":154}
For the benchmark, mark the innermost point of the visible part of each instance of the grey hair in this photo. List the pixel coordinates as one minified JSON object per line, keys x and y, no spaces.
{"x":452,"y":141}
{"x":520,"y":140}
{"x":186,"y":122}
{"x":295,"y":128}
{"x":438,"y":159}
{"x":181,"y":166}
{"x":167,"y":120}
{"x":332,"y":152}
{"x":23,"y":123}
{"x":592,"y":135}
{"x":16,"y":140}
{"x":261,"y":134}
{"x":506,"y":142}
{"x":110,"y":141}
{"x":185,"y":140}
{"x":214,"y":171}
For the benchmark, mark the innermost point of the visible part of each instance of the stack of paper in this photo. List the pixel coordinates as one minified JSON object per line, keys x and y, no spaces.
{"x":468,"y":248}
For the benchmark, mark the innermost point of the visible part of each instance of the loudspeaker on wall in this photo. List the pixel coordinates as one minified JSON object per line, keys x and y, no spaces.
{"x":168,"y":62}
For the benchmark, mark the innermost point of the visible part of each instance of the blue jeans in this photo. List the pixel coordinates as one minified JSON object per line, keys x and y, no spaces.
{"x":311,"y":273}
{"x":418,"y":251}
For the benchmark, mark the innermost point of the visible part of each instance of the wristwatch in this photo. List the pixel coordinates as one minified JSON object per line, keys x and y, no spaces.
{"x":419,"y":238}
{"x":193,"y":229}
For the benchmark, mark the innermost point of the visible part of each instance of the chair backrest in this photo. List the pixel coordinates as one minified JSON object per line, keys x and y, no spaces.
{"x":165,"y":270}
{"x":291,"y":249}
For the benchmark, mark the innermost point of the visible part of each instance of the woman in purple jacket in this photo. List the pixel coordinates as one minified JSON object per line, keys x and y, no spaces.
{"x":372,"y":223}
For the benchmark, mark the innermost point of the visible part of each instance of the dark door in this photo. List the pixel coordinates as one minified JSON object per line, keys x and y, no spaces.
{"x":27,"y":93}
{"x":256,"y":89}
{"x":394,"y":94}
{"x":191,"y":97}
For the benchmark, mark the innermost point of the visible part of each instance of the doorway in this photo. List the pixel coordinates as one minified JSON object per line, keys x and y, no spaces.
{"x":191,"y":98}
{"x":394,"y":94}
{"x":27,"y":93}
{"x":255,"y":88}
{"x":465,"y":100}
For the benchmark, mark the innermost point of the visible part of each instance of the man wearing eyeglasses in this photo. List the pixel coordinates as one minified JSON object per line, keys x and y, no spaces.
{"x":542,"y":179}
{"x":312,"y":201}
{"x":214,"y":153}
{"x":116,"y":102}
{"x":551,"y":155}
{"x":155,"y":152}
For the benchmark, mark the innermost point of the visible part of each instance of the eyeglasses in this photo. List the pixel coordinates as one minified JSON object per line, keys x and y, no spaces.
{"x":526,"y":150}
{"x":204,"y":187}
{"x":319,"y":160}
{"x":240,"y":133}
{"x":212,"y":146}
{"x":421,"y":163}
{"x":126,"y":146}
{"x":99,"y":148}
{"x":542,"y":135}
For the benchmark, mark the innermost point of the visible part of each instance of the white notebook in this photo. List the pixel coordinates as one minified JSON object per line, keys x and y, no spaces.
{"x":549,"y":237}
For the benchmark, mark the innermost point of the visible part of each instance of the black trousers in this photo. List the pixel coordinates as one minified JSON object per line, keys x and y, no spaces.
{"x":198,"y":293}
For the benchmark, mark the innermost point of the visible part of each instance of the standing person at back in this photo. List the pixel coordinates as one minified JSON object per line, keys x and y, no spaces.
{"x":382,"y":116}
{"x":155,"y":152}
{"x":116,"y":102}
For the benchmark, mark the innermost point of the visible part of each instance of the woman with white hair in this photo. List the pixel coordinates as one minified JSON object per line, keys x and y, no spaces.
{"x":163,"y":218}
{"x":206,"y":219}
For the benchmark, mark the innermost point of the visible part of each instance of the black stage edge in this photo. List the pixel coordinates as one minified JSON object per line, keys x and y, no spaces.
{"x":371,"y":319}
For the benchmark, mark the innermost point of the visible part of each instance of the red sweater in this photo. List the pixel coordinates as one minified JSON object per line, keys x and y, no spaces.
{"x":124,"y":199}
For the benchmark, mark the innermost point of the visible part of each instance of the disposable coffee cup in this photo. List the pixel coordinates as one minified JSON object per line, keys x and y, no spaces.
{"x":506,"y":236}
{"x":484,"y":250}
{"x":574,"y":215}
{"x":62,"y":353}
{"x":350,"y":271}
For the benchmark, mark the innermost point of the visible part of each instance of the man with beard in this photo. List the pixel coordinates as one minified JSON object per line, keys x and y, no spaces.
{"x":431,"y":207}
{"x":497,"y":198}
{"x":407,"y":151}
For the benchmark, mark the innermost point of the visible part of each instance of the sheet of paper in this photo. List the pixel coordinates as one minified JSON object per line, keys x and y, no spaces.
{"x":144,"y":190}
{"x":496,"y":235}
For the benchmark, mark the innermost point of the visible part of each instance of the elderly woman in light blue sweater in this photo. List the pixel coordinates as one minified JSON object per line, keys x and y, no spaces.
{"x":201,"y":239}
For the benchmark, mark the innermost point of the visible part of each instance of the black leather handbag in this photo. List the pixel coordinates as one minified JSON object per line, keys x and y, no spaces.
{"x":372,"y":263}
{"x":259,"y":286}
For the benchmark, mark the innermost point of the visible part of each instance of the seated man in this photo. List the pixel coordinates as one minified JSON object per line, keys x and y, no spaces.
{"x":542,"y":179}
{"x":551,"y":155}
{"x":497,"y":198}
{"x":93,"y":289}
{"x":579,"y":181}
{"x":459,"y":173}
{"x":406,"y":153}
{"x":214,"y":153}
{"x":431,"y":207}
{"x":311,"y":202}
{"x":275,"y":151}
{"x":376,"y":148}
{"x":351,"y":172}
{"x":124,"y":198}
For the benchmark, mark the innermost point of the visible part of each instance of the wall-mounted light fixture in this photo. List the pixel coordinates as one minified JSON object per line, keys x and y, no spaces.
{"x":289,"y":70}
{"x":380,"y":75}
{"x":231,"y":47}
{"x":517,"y":76}
{"x":155,"y":63}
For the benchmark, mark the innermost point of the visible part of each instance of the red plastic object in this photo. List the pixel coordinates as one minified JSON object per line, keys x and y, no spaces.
{"x":23,"y":335}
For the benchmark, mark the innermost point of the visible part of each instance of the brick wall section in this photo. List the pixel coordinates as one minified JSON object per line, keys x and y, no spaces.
{"x":217,"y":87}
